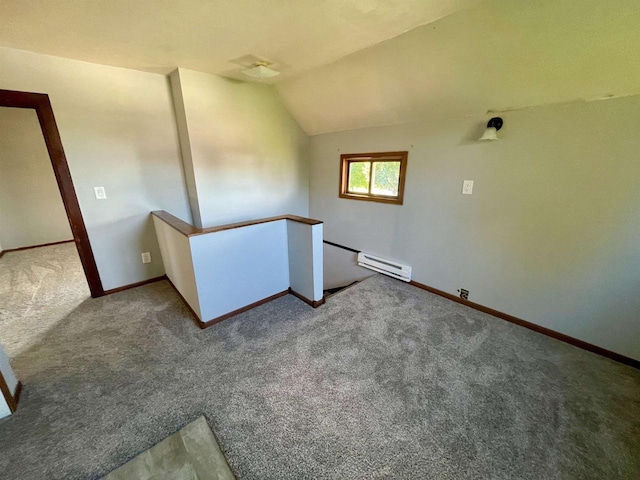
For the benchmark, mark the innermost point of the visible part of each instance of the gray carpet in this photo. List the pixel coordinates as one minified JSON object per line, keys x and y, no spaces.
{"x":38,"y":288}
{"x":384,"y":381}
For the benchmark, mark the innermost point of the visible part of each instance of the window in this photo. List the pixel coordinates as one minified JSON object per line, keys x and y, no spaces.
{"x":376,"y":177}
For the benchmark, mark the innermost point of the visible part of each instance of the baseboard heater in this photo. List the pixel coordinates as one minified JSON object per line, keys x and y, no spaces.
{"x":382,"y":265}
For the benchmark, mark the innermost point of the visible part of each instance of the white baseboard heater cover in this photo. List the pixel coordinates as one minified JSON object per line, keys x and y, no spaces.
{"x":382,"y":265}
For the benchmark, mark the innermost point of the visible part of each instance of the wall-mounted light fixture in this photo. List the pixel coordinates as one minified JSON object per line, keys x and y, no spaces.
{"x":491,"y":131}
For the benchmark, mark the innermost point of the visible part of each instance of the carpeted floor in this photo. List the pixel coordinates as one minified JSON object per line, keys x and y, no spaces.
{"x":38,"y":288}
{"x":384,"y":381}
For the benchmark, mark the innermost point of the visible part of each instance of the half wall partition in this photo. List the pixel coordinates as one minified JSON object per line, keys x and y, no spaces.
{"x":225,"y":270}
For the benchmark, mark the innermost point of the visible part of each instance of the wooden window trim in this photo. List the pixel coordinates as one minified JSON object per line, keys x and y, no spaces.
{"x":347,"y":158}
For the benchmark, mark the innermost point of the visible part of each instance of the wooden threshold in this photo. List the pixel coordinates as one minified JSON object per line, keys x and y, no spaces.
{"x":533,"y":326}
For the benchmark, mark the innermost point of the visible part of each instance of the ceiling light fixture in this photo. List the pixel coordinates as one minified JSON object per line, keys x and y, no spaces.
{"x":260,"y":71}
{"x":491,"y":131}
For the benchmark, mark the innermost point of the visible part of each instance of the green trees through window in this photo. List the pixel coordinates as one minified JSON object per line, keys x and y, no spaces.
{"x":359,"y":177}
{"x":373,"y":176}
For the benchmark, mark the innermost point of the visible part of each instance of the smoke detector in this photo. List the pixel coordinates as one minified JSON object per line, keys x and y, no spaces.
{"x":260,"y":70}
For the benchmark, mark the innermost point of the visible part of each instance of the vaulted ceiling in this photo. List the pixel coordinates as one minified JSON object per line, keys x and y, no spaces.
{"x":211,"y":36}
{"x":498,"y":56}
{"x":348,"y":65}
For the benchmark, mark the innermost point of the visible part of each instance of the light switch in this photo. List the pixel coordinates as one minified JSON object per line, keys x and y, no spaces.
{"x":100,"y":193}
{"x":467,"y":187}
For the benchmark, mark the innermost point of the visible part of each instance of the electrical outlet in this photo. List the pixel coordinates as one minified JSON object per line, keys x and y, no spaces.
{"x":146,"y":257}
{"x":100,"y":193}
{"x":464,"y":293}
{"x":467,"y":187}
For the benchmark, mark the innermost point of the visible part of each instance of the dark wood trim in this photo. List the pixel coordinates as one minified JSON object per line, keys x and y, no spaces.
{"x":347,"y":158}
{"x":341,"y":246}
{"x":190,"y":231}
{"x":8,"y":250}
{"x":11,"y":398}
{"x":523,"y":323}
{"x":305,"y":220}
{"x":219,"y":319}
{"x":180,"y":225}
{"x":134,"y":285}
{"x":6,"y":393}
{"x":532,"y":326}
{"x":226,"y":316}
{"x":313,"y":303}
{"x":17,"y":393}
{"x":41,"y":104}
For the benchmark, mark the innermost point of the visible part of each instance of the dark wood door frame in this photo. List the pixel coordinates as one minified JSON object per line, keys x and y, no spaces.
{"x":41,"y":104}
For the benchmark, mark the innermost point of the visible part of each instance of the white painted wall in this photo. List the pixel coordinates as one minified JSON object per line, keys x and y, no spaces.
{"x":4,"y":408}
{"x":31,"y":209}
{"x":305,"y":259}
{"x":178,"y":263}
{"x":10,"y":378}
{"x":550,"y":233}
{"x":249,"y":156}
{"x":118,"y":129}
{"x":235,"y":268}
{"x":185,"y":146}
{"x":317,"y":255}
{"x":223,"y":271}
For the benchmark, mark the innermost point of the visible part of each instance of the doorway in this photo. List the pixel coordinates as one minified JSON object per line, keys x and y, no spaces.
{"x":42,"y":106}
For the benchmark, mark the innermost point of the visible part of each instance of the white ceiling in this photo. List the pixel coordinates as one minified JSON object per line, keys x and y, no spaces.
{"x":211,"y":36}
{"x":358,"y":63}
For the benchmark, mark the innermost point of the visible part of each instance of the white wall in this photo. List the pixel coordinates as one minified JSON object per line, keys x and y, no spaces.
{"x":178,"y":263}
{"x":223,"y":271}
{"x":550,"y":233}
{"x":235,"y":268}
{"x":249,"y":156}
{"x":9,"y":378}
{"x":5,"y":411}
{"x":31,"y":209}
{"x":185,"y":146}
{"x":305,"y":259}
{"x":118,"y":130}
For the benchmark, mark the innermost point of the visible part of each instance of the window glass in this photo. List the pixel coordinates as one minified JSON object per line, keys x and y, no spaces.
{"x":359,"y":177}
{"x":386,"y":177}
{"x":373,"y":177}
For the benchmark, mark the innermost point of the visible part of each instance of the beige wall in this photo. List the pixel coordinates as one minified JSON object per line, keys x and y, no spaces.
{"x":31,"y":209}
{"x":118,"y":130}
{"x":550,"y":234}
{"x":249,"y":157}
